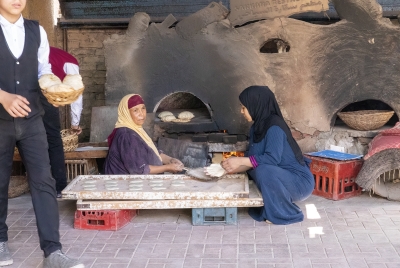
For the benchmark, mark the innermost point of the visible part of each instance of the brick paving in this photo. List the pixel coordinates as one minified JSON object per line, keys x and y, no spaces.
{"x":358,"y":232}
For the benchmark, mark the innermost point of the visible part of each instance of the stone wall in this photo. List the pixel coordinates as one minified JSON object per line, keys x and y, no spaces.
{"x":87,"y":46}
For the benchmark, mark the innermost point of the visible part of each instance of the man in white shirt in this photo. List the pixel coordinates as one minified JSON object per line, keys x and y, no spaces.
{"x":24,"y":52}
{"x":62,"y":64}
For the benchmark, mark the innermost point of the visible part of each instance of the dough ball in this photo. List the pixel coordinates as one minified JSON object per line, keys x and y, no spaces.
{"x":168,"y":118}
{"x":48,"y":80}
{"x":74,"y":81}
{"x":164,"y":113}
{"x":185,"y":115}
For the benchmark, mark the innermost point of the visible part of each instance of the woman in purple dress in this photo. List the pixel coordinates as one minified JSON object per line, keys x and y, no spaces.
{"x":131,"y":150}
{"x":274,"y":160}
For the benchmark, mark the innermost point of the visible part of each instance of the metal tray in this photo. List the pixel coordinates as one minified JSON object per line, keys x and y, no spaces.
{"x":156,"y":187}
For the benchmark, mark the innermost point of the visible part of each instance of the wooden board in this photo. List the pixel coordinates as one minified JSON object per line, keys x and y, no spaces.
{"x":156,"y":187}
{"x":254,"y":200}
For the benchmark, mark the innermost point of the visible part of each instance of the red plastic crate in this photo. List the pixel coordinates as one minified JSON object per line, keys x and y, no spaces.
{"x":105,"y":220}
{"x":335,"y":179}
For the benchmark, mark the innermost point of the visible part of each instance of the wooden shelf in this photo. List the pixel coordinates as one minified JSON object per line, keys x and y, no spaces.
{"x":74,"y":155}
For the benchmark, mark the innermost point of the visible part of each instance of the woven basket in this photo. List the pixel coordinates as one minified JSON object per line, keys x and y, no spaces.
{"x":62,"y":98}
{"x":18,"y":186}
{"x":70,"y":140}
{"x":366,"y":119}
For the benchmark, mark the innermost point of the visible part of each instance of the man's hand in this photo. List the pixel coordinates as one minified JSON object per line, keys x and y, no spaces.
{"x":15,"y":105}
{"x":77,"y":129}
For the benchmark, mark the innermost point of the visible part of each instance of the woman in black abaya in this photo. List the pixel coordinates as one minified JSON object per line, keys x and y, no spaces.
{"x":274,"y":160}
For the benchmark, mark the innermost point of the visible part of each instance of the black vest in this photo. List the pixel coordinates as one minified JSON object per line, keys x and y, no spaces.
{"x":20,"y":76}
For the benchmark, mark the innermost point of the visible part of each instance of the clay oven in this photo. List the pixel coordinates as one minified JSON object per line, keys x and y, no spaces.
{"x":314,"y":70}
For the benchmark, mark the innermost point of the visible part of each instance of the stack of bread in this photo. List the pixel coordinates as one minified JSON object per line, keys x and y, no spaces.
{"x":61,"y":93}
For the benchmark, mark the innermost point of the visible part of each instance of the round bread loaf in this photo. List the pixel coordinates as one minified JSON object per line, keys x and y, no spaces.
{"x":164,"y":113}
{"x":60,"y":88}
{"x":168,"y":118}
{"x":185,"y":115}
{"x":48,"y":80}
{"x":74,"y":81}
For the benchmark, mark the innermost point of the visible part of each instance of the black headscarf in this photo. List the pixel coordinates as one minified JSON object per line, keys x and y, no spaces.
{"x":264,"y":110}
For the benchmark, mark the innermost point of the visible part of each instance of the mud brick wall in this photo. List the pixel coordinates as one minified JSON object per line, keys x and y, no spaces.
{"x":87,"y":46}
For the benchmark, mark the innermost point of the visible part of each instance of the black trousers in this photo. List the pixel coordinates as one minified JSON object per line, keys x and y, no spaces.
{"x":29,"y":136}
{"x":51,"y":120}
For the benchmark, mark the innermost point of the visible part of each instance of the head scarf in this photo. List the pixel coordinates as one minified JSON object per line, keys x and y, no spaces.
{"x":264,"y":110}
{"x":125,"y":120}
{"x":135,"y":100}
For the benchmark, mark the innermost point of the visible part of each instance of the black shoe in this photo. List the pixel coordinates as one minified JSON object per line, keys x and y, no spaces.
{"x":59,"y":194}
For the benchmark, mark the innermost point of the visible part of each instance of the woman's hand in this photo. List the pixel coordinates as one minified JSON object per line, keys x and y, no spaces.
{"x":231,"y":163}
{"x":174,"y":168}
{"x":236,"y":164}
{"x":171,"y":164}
{"x":176,"y":161}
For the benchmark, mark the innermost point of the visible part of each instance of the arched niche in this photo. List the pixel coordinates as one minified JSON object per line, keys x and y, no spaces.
{"x":369,"y":104}
{"x":178,"y":102}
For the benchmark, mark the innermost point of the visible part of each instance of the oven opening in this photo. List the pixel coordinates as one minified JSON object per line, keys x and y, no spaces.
{"x":367,"y":106}
{"x":187,"y":114}
{"x":179,"y":102}
{"x":226,"y":155}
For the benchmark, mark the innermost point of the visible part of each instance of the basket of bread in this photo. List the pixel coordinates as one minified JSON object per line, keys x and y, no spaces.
{"x":61,"y":93}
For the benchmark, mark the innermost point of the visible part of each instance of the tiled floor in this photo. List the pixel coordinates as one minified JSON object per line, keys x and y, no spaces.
{"x":359,"y":232}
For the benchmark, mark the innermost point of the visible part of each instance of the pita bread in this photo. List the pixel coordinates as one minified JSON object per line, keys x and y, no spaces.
{"x":74,"y":81}
{"x":48,"y":80}
{"x":164,"y":113}
{"x":215,"y":170}
{"x":60,"y":88}
{"x":168,"y":118}
{"x":185,"y":115}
